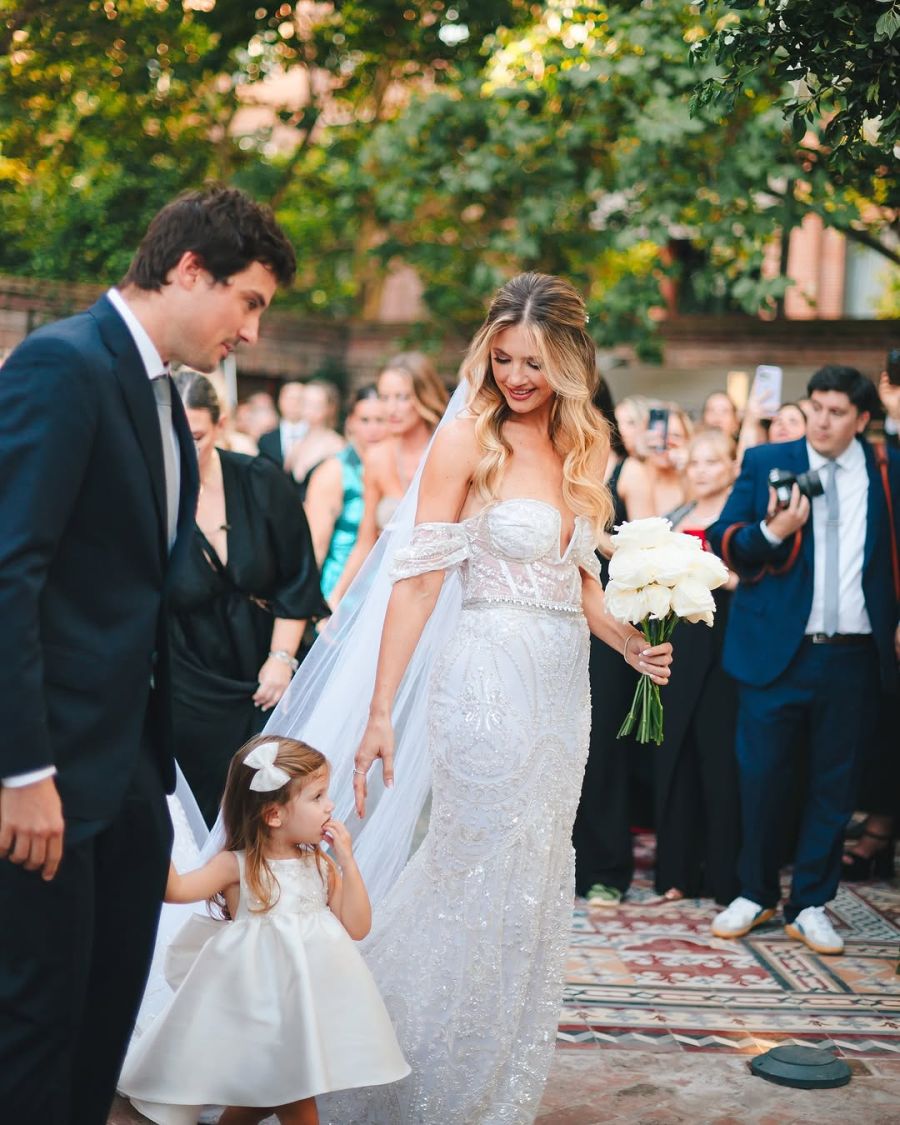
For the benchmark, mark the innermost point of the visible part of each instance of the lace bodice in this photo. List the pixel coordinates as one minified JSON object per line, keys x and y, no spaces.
{"x":509,"y":553}
{"x":302,"y":888}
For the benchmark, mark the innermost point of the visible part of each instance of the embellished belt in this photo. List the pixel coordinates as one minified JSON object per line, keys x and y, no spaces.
{"x":521,"y":603}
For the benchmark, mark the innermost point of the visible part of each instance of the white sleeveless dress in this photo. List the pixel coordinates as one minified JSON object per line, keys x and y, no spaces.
{"x":468,"y":948}
{"x":274,"y":1007}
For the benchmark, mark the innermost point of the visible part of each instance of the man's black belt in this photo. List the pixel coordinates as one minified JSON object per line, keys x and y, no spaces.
{"x":838,"y":638}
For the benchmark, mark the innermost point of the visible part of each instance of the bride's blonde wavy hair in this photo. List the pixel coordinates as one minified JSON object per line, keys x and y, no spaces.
{"x":553,"y":312}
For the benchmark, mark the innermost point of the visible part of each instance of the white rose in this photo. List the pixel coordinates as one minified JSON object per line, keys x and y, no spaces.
{"x":684,"y":542}
{"x":625,"y":604}
{"x":631,"y":568}
{"x":659,"y":600}
{"x":673,"y":562}
{"x":709,"y":569}
{"x":693,"y":601}
{"x":685,"y":558}
{"x":651,"y":532}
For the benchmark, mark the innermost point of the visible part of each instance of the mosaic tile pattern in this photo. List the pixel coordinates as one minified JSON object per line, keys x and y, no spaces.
{"x":648,"y":975}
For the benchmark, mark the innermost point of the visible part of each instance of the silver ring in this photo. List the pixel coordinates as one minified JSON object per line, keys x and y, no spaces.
{"x":362,"y":773}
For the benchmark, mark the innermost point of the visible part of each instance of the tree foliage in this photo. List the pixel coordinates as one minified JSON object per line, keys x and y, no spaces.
{"x":576,"y":151}
{"x":110,"y":107}
{"x":839,"y":65}
{"x":468,"y":138}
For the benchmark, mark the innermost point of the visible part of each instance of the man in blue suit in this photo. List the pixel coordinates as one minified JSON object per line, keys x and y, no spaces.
{"x":813,"y":626}
{"x":97,"y":502}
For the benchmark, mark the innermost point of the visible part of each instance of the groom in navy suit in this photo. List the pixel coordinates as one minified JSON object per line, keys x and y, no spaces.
{"x":97,"y":503}
{"x":812,"y":629}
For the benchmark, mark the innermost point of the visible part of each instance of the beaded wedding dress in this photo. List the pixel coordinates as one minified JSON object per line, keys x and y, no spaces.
{"x":468,"y":946}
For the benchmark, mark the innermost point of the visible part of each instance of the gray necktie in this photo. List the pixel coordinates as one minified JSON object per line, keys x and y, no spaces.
{"x":832,"y":542}
{"x":162,"y":390}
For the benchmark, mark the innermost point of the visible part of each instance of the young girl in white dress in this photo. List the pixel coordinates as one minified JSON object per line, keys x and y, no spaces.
{"x":277,"y":1006}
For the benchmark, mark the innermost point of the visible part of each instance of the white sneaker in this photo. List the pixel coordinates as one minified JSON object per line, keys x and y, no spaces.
{"x":813,"y":928}
{"x":739,"y":918}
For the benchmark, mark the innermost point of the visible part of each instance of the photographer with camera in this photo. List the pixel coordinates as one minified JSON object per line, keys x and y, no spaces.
{"x":813,"y":626}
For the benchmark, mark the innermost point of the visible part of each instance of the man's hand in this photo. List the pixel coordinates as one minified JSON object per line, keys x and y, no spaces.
{"x":889,"y":393}
{"x":785,"y":521}
{"x":31,"y":826}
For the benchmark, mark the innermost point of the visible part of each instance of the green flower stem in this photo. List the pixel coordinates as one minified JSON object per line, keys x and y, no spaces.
{"x":646,"y":711}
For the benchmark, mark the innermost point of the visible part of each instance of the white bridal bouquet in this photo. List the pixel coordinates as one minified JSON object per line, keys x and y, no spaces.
{"x":657,"y":578}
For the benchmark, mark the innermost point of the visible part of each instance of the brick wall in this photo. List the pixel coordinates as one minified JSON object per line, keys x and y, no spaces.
{"x":697,"y":350}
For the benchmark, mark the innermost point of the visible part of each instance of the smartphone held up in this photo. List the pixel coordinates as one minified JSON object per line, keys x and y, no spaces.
{"x":766,"y":389}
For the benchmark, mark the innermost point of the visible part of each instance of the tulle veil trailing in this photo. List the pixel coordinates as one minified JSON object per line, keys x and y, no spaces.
{"x":327,"y":702}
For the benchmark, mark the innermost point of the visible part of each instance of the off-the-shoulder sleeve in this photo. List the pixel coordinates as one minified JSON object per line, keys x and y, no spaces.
{"x":586,"y":557}
{"x":432,"y":546}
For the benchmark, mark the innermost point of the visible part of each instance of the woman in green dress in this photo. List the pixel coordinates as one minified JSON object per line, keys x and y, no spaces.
{"x":334,"y":497}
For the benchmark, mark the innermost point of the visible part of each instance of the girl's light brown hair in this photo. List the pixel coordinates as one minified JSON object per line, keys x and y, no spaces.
{"x":244,"y":809}
{"x":554,"y":313}
{"x":428,"y":390}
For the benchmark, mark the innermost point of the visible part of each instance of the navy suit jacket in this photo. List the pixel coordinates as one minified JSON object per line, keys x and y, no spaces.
{"x":768,"y":619}
{"x":270,"y":446}
{"x":84,"y":560}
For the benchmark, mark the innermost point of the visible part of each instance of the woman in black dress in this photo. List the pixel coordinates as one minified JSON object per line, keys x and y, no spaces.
{"x":238,"y":606}
{"x":618,"y":779}
{"x":695,"y":770}
{"x":601,"y":835}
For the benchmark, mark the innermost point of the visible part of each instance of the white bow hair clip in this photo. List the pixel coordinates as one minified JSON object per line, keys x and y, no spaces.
{"x":268,"y":776}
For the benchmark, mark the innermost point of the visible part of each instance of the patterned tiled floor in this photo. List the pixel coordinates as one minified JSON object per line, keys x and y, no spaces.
{"x":648,"y":975}
{"x":660,"y":1019}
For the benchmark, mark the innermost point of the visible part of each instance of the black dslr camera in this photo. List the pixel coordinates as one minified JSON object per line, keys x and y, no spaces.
{"x":782,"y":480}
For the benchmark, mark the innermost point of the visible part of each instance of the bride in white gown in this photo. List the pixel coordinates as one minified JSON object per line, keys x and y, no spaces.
{"x":468,"y":947}
{"x":484,"y":676}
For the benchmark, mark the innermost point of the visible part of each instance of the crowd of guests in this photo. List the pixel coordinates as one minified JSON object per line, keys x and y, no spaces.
{"x":281,"y":535}
{"x":284,"y":519}
{"x":225,"y":522}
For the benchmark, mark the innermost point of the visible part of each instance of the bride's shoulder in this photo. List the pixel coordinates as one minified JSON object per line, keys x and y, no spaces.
{"x":457,"y":438}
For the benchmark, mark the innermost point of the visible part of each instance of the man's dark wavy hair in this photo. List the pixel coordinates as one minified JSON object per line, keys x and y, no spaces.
{"x":223,"y":226}
{"x":837,"y":377}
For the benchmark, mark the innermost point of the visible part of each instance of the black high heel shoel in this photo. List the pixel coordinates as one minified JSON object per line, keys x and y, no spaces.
{"x":879,"y":865}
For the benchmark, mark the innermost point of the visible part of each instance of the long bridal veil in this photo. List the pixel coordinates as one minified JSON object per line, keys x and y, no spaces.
{"x":327,"y":702}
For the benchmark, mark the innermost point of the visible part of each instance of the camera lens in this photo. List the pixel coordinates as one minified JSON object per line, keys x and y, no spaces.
{"x":810,"y":484}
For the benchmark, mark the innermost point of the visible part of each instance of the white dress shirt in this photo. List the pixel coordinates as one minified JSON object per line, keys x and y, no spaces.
{"x":154,"y":367}
{"x":291,"y":433}
{"x":151,"y":359}
{"x":852,"y":479}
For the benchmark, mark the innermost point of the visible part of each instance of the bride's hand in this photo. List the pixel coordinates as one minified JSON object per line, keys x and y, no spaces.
{"x":377,"y":742}
{"x":654,"y":661}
